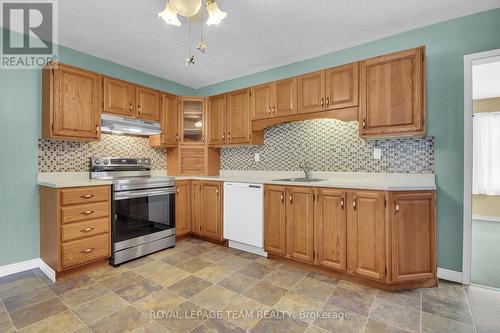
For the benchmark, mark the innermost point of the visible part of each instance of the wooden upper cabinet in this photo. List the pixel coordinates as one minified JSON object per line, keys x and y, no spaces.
{"x":169,"y":120}
{"x":285,"y":97}
{"x":392,"y":95}
{"x":196,"y":207}
{"x":311,"y":92}
{"x":118,"y":97}
{"x":300,"y":223}
{"x":211,"y":209}
{"x":182,"y":207}
{"x":274,"y":219}
{"x":341,"y":84}
{"x":148,"y":103}
{"x":366,"y":235}
{"x":193,"y":120}
{"x":330,"y":227}
{"x":412,"y":220}
{"x":216,"y":120}
{"x":238,"y":124}
{"x":262,"y":101}
{"x":71,"y":103}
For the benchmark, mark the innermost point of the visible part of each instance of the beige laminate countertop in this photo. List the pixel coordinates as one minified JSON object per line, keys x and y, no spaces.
{"x":353,"y":180}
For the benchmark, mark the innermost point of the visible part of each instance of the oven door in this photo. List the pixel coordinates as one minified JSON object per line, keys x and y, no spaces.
{"x":142,"y":216}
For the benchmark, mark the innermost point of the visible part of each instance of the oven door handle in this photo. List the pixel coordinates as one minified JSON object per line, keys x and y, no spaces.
{"x":143,"y":193}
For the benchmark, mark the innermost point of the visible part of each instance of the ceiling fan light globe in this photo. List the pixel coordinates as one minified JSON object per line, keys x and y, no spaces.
{"x":215,"y":15}
{"x":169,"y":15}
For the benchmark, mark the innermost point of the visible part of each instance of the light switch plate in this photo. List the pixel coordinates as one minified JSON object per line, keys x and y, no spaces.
{"x":257,"y":157}
{"x":377,"y":153}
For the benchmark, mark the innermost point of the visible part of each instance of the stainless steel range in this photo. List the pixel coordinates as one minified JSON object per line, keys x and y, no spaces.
{"x":143,"y":207}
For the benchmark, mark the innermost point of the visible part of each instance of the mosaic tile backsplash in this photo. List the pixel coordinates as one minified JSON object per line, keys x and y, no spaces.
{"x":333,"y":146}
{"x":73,"y":156}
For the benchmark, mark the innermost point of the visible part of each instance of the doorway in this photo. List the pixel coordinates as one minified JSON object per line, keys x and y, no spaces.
{"x":482,"y":169}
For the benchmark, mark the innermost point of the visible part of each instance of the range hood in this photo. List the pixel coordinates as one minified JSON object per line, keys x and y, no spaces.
{"x":123,"y":125}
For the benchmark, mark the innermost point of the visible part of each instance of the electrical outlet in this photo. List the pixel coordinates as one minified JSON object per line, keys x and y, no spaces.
{"x":377,"y":153}
{"x":257,"y":157}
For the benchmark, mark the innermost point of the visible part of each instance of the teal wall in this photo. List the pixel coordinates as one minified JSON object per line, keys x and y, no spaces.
{"x":20,"y":118}
{"x":446,"y":44}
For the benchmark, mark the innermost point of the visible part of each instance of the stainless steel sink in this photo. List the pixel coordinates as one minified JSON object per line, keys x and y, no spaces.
{"x":299,"y":180}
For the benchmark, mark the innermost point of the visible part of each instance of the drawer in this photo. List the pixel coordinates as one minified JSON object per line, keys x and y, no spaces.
{"x":84,"y":212}
{"x":81,"y":195}
{"x":85,"y":250}
{"x":84,"y":229}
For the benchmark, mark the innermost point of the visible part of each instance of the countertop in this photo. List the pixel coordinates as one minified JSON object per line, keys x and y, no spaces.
{"x":347,"y":180}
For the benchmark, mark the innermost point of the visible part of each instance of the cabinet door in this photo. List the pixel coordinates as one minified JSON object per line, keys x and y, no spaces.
{"x":216,"y":119}
{"x":238,"y":117}
{"x":262,"y":101}
{"x":342,"y":87}
{"x":274,"y":219}
{"x":119,"y":97}
{"x":330,"y":227}
{"x":413,"y":232}
{"x":169,"y":120}
{"x":311,"y":92}
{"x":211,"y":210}
{"x":148,"y":103}
{"x":193,"y":120}
{"x":285,"y":97}
{"x":182,"y":207}
{"x":366,"y":235}
{"x":300,"y":222}
{"x":77,"y":103}
{"x":196,"y":207}
{"x":392,"y":94}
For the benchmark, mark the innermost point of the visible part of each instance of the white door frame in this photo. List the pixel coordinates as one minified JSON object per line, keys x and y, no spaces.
{"x":469,"y":61}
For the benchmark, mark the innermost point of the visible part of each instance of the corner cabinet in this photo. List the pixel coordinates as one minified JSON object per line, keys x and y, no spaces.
{"x":385,"y":239}
{"x":71,"y":103}
{"x":392,"y":95}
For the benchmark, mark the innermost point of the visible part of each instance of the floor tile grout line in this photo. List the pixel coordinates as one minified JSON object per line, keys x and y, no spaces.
{"x":470,"y":310}
{"x":420,"y":311}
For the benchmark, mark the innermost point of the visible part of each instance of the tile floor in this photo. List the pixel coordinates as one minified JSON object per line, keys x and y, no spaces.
{"x":201,"y":287}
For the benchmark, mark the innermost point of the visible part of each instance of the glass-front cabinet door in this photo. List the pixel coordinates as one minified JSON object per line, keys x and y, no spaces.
{"x":193,"y":120}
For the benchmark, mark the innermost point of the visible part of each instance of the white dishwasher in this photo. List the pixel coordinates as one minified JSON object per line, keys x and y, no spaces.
{"x":244,"y":216}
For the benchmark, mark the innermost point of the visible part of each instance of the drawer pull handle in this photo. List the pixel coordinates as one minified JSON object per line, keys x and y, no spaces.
{"x":87,"y":250}
{"x":87,"y":196}
{"x":87,"y":212}
{"x":87,"y":230}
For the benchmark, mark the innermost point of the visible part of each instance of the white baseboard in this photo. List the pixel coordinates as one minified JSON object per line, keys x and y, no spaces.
{"x":26,"y":266}
{"x":47,"y":270}
{"x":19,"y":267}
{"x":247,"y":248}
{"x":449,"y":275}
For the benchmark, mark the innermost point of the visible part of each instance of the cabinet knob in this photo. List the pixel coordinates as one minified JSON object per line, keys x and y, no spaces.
{"x":364,"y":123}
{"x":269,"y":111}
{"x":396,"y":207}
{"x":87,"y":230}
{"x":282,"y":198}
{"x":274,"y":110}
{"x":139,"y":109}
{"x":130,"y":107}
{"x":291,"y":198}
{"x":87,"y":212}
{"x":223,"y":136}
{"x":322,"y":102}
{"x":327,"y":101}
{"x":354,"y":202}
{"x":342,"y":203}
{"x":177,"y":191}
{"x":177,"y":137}
{"x":87,"y":196}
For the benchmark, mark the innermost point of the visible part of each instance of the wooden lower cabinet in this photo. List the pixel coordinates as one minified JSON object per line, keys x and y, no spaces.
{"x":206,"y":207}
{"x":288,"y":222}
{"x":330,"y":229}
{"x":413,"y":235}
{"x":366,"y":235}
{"x":386,"y":239}
{"x":182,"y":207}
{"x":300,"y":223}
{"x":75,"y":226}
{"x":274,"y":220}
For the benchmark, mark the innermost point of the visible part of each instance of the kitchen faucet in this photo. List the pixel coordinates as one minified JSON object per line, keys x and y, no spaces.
{"x":306,"y":168}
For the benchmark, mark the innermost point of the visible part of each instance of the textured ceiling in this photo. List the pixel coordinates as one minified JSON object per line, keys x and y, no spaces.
{"x":256,"y":35}
{"x":486,"y":80}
